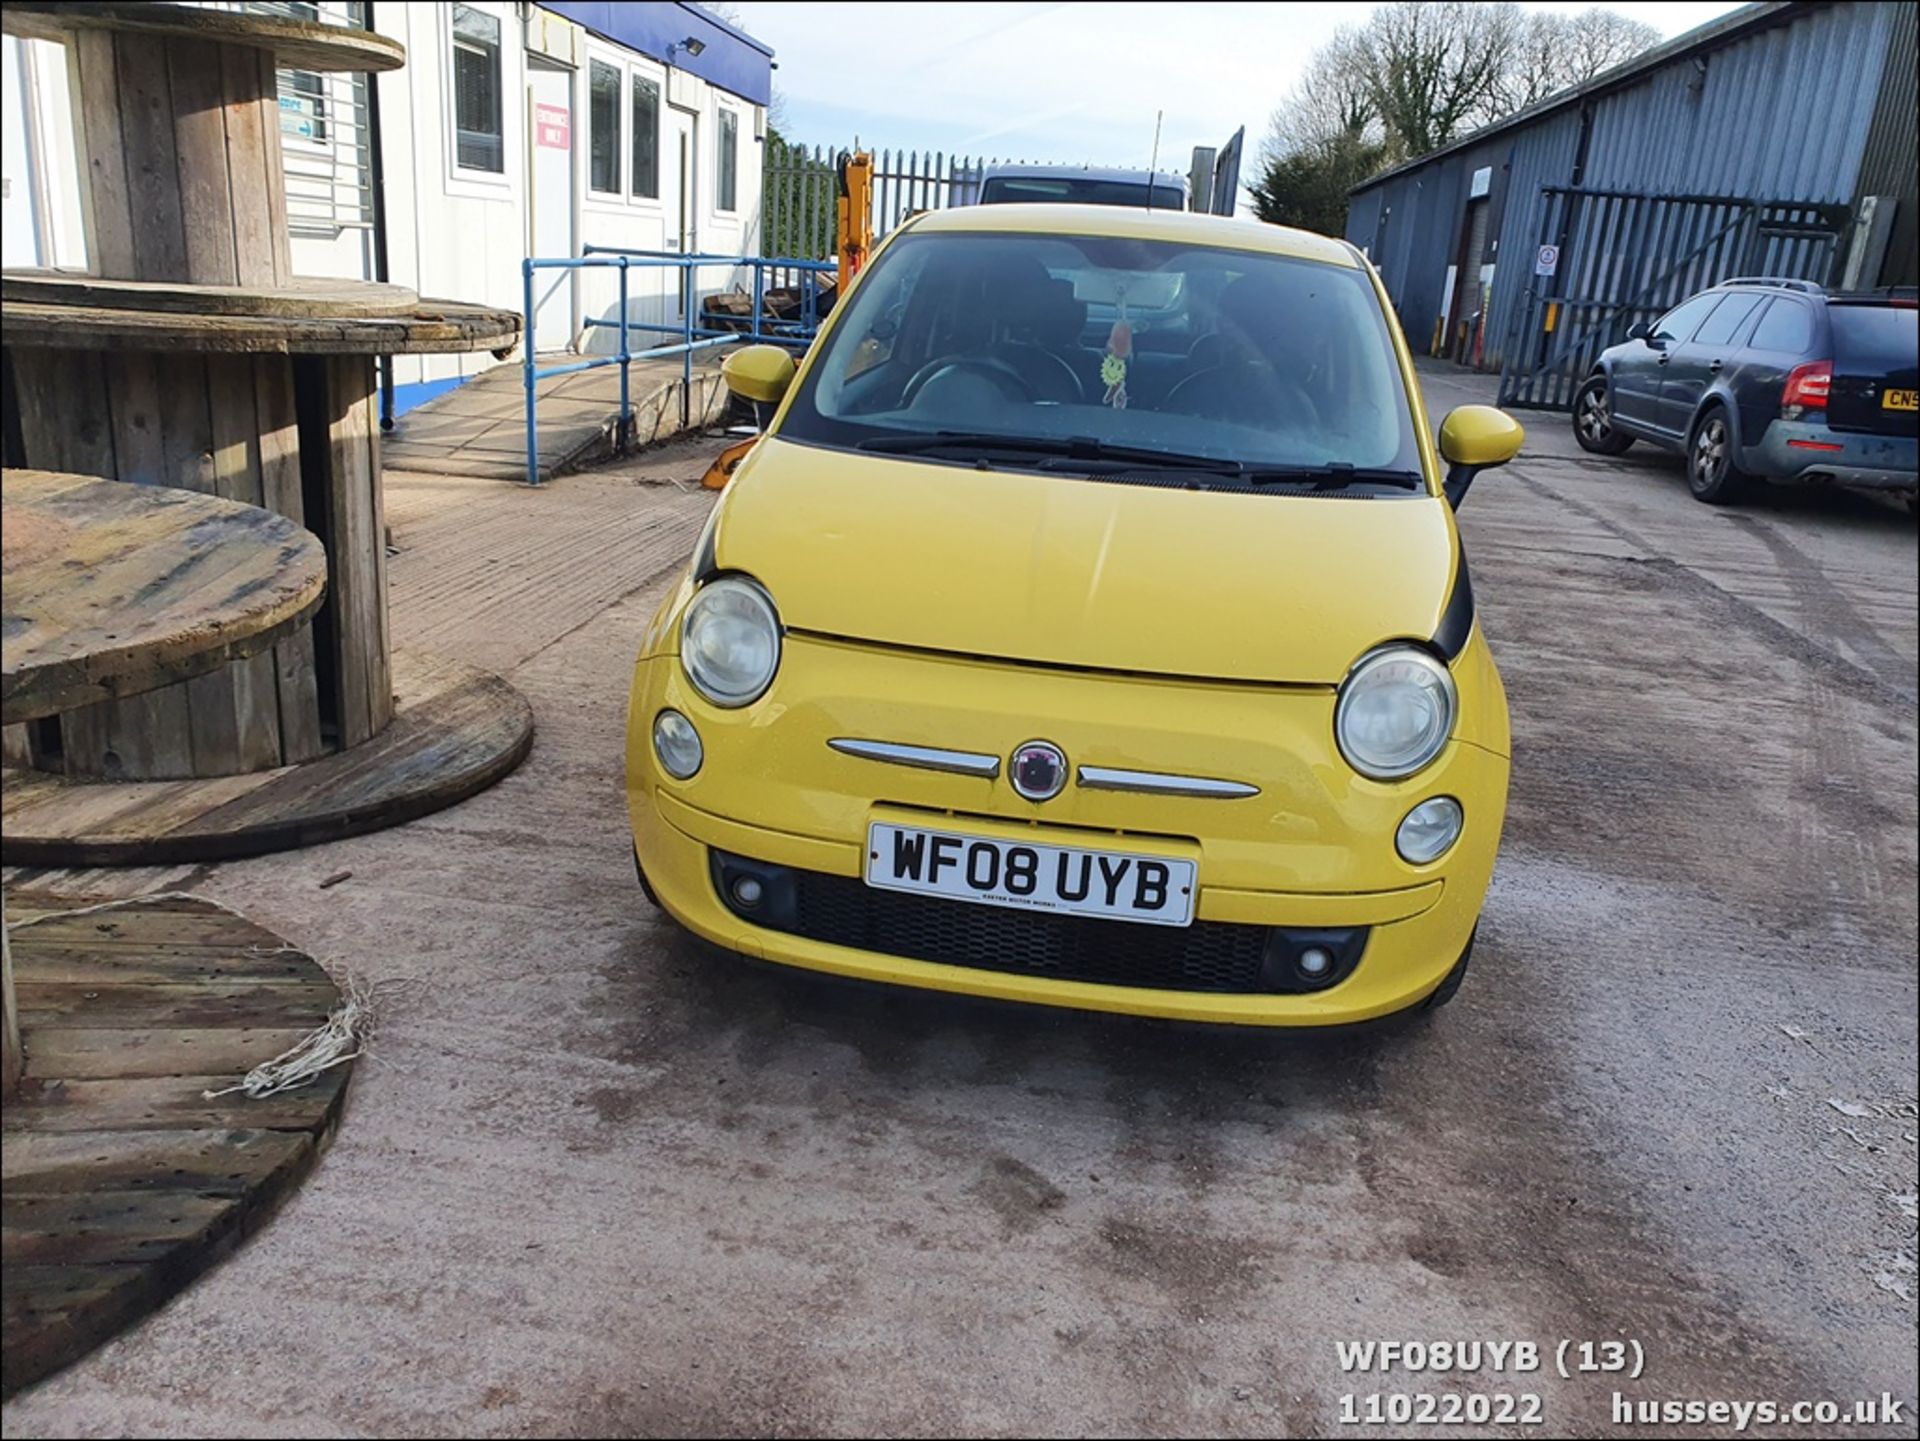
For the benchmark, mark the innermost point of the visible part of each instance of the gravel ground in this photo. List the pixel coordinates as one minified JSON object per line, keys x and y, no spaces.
{"x":598,"y":1180}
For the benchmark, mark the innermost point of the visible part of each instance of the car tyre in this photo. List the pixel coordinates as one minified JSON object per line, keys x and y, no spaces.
{"x":1444,"y":992}
{"x":646,"y":886}
{"x":1593,"y":425}
{"x":1712,"y":473}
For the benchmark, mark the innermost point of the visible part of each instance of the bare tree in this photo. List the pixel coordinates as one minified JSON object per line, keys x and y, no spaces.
{"x":1413,"y":78}
{"x":1558,"y":51}
{"x":1333,"y":99}
{"x":1436,"y":70}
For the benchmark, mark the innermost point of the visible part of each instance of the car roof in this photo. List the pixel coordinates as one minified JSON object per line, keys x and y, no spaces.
{"x":1125,"y":222}
{"x":1081,"y":172}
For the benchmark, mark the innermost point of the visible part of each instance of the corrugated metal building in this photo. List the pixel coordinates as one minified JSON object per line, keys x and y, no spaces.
{"x":1778,"y":139}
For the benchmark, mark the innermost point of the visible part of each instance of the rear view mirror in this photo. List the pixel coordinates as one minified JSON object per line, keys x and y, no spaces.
{"x":760,"y":373}
{"x":1638,"y":330}
{"x":1474,"y":438}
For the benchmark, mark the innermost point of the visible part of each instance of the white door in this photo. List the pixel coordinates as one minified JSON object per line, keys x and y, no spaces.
{"x":682,"y":160}
{"x":550,"y":202}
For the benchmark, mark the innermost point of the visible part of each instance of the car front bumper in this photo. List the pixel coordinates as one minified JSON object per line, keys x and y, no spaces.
{"x":1872,"y":462}
{"x":1322,"y":858}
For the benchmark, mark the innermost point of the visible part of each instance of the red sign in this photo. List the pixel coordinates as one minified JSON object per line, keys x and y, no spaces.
{"x":553,"y":127}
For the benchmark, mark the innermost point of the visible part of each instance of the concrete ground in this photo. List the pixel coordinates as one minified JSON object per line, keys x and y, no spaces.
{"x":597,"y":1180}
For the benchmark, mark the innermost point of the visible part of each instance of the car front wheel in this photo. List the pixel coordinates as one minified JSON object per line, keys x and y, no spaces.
{"x":1712,"y":475}
{"x":1593,"y":423}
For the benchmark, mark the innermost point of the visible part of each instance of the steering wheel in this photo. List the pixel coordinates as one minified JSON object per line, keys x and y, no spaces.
{"x":991,"y":367}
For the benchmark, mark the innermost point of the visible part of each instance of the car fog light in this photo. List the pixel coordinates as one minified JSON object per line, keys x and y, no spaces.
{"x":677,"y":744}
{"x":747,"y":891}
{"x":1429,"y":830}
{"x":1315,"y":962}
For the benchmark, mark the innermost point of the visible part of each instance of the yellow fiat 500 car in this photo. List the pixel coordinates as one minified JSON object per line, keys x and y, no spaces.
{"x":1089,"y":628}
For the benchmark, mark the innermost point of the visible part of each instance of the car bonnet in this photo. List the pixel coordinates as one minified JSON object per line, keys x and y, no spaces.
{"x":1062,"y":570}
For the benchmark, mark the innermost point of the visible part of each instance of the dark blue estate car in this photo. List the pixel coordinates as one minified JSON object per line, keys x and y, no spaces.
{"x":1762,"y":379}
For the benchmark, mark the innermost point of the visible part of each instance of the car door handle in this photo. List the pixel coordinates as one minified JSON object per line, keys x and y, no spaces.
{"x":1663,"y":358}
{"x":1714,"y":369}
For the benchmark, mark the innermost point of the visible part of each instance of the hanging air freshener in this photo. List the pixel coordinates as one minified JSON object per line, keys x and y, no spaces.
{"x":1113,"y":367}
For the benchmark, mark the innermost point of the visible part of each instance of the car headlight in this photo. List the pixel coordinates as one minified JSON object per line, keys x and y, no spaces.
{"x":730,"y":641}
{"x":1395,"y":712}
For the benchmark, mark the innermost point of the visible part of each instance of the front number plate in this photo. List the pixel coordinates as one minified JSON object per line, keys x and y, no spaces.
{"x":1118,"y":886}
{"x":1900,"y":400}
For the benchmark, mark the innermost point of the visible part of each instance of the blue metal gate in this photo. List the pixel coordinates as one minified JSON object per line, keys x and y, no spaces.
{"x":1621,"y":257}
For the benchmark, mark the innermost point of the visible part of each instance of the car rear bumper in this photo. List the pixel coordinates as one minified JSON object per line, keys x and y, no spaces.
{"x":1873,"y":462}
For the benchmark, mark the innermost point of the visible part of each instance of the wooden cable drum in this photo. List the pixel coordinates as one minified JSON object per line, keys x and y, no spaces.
{"x":296,"y":435}
{"x":194,"y":358}
{"x":113,"y":589}
{"x":304,"y":298}
{"x":297,"y":44}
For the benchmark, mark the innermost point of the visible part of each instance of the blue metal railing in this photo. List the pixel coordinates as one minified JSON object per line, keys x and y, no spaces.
{"x":693,"y":337}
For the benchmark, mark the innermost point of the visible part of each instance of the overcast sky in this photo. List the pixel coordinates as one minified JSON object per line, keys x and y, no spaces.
{"x":1058,"y":82}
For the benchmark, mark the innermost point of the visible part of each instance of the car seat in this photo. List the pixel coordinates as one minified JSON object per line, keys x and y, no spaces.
{"x":1250,"y":370}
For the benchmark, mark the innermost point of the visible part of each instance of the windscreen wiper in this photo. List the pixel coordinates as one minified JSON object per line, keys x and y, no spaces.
{"x":1066,"y":448}
{"x":1333,"y":477}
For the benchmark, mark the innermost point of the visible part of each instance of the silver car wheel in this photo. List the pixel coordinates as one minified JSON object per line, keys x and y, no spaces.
{"x":1710,"y":451}
{"x":1595,"y":422}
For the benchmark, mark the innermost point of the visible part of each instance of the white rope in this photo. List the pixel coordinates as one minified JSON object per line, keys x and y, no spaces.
{"x":341,"y":1038}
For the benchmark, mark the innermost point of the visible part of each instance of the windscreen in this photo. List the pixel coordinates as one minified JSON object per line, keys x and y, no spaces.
{"x":1156,"y":346}
{"x":1076,"y":190}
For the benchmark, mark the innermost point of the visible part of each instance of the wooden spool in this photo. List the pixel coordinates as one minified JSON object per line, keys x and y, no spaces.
{"x":177,"y":113}
{"x":297,"y":435}
{"x":193,"y":358}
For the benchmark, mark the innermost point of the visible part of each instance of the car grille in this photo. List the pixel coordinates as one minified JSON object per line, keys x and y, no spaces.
{"x":1205,"y":956}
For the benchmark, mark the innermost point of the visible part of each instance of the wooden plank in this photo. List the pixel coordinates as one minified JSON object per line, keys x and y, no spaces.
{"x":108,"y":808}
{"x":66,"y":414}
{"x":106,"y":206}
{"x":153,"y":176}
{"x":316,"y":296}
{"x":134,"y":923}
{"x":86,"y":1053}
{"x":212,"y":739}
{"x":273,"y":186}
{"x":55,"y":1314}
{"x":356,"y":551}
{"x":169,"y":1103}
{"x":255,"y":245}
{"x":78,"y":964}
{"x":252,"y":681}
{"x":107,"y":1227}
{"x":456,"y":731}
{"x":207,"y":201}
{"x":210,"y":1162}
{"x":297,"y":688}
{"x":435,"y":327}
{"x":146,"y":735}
{"x":206,"y":1004}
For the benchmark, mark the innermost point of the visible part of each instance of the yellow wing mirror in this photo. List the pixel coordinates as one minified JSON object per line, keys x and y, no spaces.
{"x":760,"y":373}
{"x":1474,"y":438}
